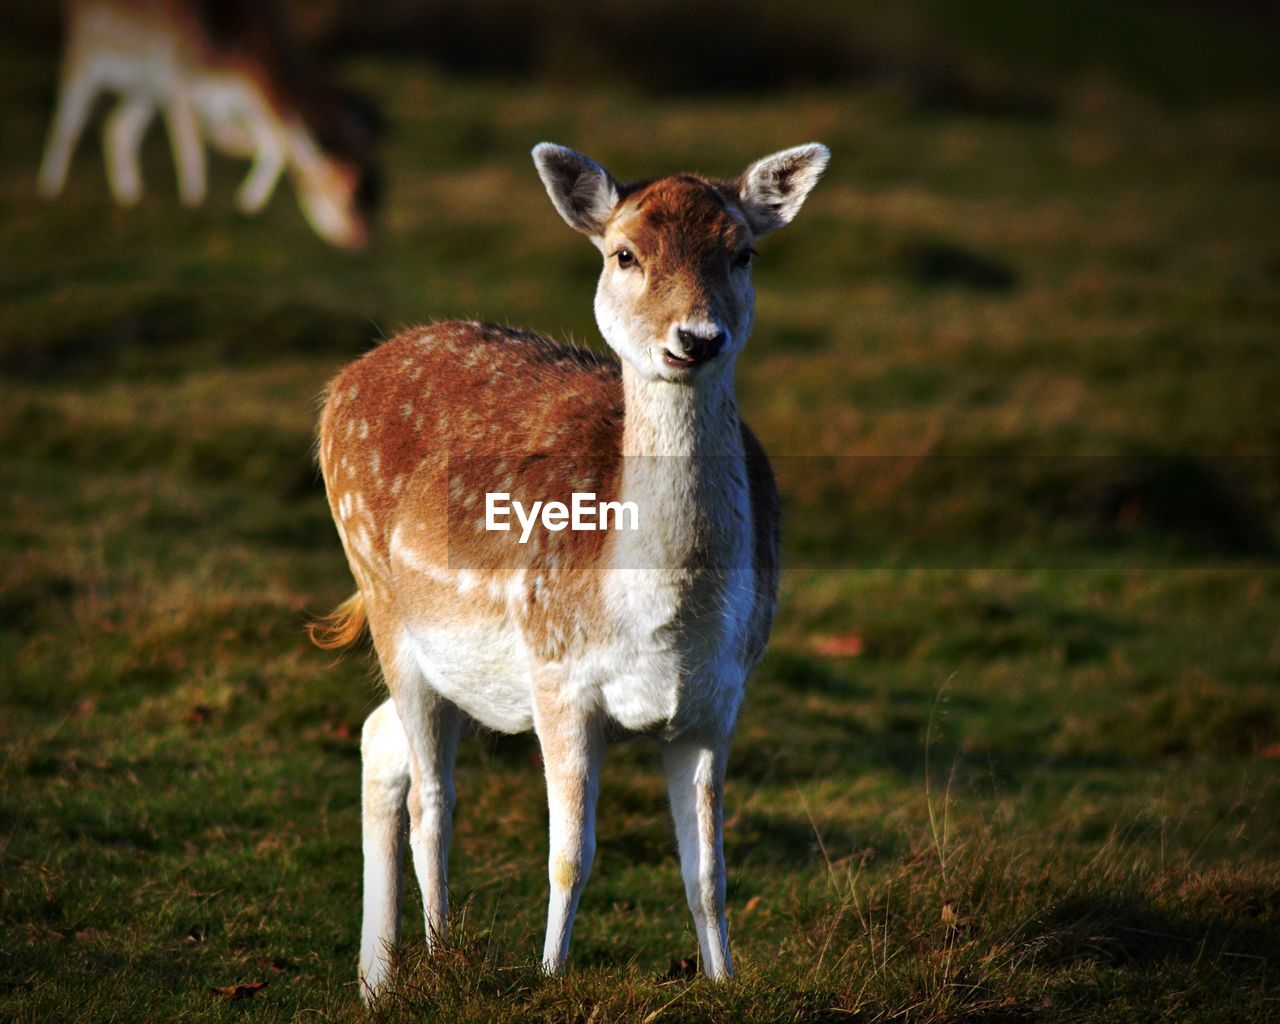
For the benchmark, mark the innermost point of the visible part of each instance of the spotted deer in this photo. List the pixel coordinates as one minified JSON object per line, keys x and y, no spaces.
{"x":580,"y":636}
{"x":222,"y":72}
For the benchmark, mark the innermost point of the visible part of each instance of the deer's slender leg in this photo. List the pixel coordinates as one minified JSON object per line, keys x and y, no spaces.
{"x":188,"y":149}
{"x":384,"y":752}
{"x":75,"y":100}
{"x":431,"y":726}
{"x":695,"y":784}
{"x":423,"y":743}
{"x":122,"y":138}
{"x":269,"y":160}
{"x":572,"y":754}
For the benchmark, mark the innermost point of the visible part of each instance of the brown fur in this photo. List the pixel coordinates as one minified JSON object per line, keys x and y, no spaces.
{"x":446,"y":412}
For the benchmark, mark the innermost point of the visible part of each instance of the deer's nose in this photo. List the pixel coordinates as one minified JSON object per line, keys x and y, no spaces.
{"x":699,"y":347}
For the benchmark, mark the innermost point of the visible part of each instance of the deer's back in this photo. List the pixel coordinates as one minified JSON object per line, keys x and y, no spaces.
{"x":441,"y":411}
{"x":233,"y":56}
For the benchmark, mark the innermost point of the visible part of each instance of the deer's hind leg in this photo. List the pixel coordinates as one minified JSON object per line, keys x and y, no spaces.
{"x":384,"y":772}
{"x":417,"y":744}
{"x":76,"y":92}
{"x":431,"y":725}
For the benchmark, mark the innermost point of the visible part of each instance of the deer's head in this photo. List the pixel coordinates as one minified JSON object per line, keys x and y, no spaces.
{"x":675,"y":298}
{"x":336,"y":197}
{"x":335,"y":167}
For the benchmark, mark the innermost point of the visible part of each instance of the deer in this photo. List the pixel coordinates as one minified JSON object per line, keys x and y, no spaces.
{"x":582,"y":637}
{"x":223,"y":73}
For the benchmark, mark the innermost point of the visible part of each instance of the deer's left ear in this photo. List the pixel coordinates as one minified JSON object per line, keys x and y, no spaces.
{"x":773,"y":189}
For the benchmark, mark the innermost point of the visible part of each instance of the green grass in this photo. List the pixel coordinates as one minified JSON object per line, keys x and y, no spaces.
{"x":1044,"y":786}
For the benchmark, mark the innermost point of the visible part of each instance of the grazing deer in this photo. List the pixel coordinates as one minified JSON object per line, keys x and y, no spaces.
{"x":222,"y":70}
{"x":580,"y":636}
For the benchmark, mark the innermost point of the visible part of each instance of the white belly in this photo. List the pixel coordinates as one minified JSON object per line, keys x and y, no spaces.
{"x":644,"y":678}
{"x":484,"y":670}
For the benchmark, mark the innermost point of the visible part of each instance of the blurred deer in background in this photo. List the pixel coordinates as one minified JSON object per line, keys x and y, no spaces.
{"x":580,"y":636}
{"x":221,"y":71}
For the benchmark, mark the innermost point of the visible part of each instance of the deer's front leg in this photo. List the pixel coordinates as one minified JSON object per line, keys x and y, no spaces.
{"x":384,"y":773}
{"x":695,"y":784}
{"x":188,"y":148}
{"x":123,"y":138}
{"x":269,"y":161}
{"x":572,"y":754}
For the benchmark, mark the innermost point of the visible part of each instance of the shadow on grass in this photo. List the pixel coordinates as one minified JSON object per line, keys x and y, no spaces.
{"x":941,"y":263}
{"x":1241,"y":932}
{"x":170,"y":334}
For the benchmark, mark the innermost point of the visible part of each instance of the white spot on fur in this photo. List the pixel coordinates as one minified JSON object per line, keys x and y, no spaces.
{"x":515,"y":587}
{"x":362,"y":542}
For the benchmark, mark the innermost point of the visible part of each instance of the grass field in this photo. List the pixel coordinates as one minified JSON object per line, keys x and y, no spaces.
{"x":1015,"y":751}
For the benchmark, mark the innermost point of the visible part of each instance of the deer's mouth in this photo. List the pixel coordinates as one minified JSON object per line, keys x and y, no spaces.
{"x":683,"y":362}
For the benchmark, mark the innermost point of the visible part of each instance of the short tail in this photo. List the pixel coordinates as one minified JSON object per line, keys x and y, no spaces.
{"x":341,"y":627}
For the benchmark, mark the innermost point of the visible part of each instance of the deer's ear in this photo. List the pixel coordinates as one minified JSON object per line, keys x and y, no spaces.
{"x":583,"y":191}
{"x":773,"y":189}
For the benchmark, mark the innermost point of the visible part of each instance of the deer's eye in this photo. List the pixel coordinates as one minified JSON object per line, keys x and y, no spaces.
{"x":743,"y":259}
{"x":626,"y":258}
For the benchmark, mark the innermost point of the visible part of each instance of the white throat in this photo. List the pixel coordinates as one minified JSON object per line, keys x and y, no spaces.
{"x":684,"y":467}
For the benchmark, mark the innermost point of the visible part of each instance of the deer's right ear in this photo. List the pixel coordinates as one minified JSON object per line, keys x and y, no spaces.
{"x":583,"y":191}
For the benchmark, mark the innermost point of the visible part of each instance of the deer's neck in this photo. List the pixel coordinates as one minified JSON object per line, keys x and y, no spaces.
{"x":304,"y":152}
{"x":683,"y":467}
{"x":665,"y":419}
